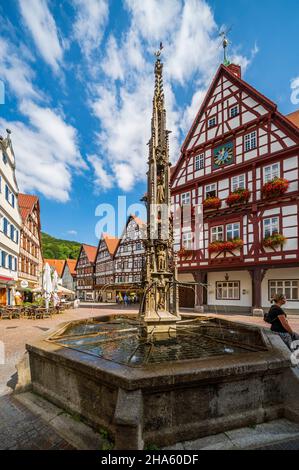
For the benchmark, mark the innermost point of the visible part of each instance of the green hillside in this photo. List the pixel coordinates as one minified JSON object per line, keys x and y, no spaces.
{"x":59,"y":249}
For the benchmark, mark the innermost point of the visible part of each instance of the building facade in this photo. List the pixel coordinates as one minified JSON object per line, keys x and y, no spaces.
{"x":238,"y":177}
{"x":10,"y":223}
{"x":129,"y":259}
{"x":30,"y":259}
{"x":104,"y":269}
{"x":69,"y":274}
{"x":85,"y":273}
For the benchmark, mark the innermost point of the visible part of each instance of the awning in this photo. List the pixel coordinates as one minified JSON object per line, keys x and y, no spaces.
{"x":6,"y":280}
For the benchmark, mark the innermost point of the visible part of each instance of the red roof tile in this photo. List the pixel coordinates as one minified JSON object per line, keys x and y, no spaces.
{"x":57,"y":264}
{"x":294,"y":117}
{"x":72,"y":266}
{"x":90,"y":251}
{"x":111,"y":243}
{"x":26,"y":203}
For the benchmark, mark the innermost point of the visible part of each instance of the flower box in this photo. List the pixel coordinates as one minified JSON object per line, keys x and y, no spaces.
{"x":275,"y":188}
{"x":212,"y":203}
{"x":230,"y":245}
{"x":184,"y":252}
{"x":237,"y":197}
{"x":274,"y":240}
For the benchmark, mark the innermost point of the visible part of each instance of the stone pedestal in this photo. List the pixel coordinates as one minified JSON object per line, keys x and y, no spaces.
{"x":161,"y":322}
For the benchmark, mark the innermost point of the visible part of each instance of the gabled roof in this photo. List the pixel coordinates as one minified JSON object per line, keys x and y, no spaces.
{"x":26,"y":204}
{"x":57,"y":264}
{"x":71,"y":263}
{"x":111,"y":242}
{"x":294,"y":117}
{"x":239,"y":82}
{"x":138,"y":221}
{"x":90,"y":251}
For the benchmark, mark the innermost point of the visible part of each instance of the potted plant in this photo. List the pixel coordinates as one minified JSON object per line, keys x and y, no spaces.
{"x":276,"y":239}
{"x":238,"y":196}
{"x":212,"y":203}
{"x":229,"y":245}
{"x":275,"y":188}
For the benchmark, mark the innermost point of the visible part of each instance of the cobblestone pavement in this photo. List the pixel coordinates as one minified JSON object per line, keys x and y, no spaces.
{"x":21,"y":429}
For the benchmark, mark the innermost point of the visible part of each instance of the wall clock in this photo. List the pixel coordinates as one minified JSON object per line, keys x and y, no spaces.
{"x":223,"y":155}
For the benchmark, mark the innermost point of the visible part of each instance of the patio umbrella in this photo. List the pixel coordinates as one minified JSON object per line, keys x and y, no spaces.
{"x":47,"y":284}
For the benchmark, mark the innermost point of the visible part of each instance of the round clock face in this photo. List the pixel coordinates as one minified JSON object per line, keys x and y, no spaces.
{"x":223,"y":155}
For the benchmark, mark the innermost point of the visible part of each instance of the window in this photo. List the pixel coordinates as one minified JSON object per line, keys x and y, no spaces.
{"x":232,"y":231}
{"x":271,"y":226}
{"x":9,"y":196}
{"x":250,"y":141}
{"x":212,"y":122}
{"x":234,"y":111}
{"x":185,"y":198}
{"x":228,"y":290}
{"x":199,"y":161}
{"x":211,"y":190}
{"x":187,"y":240}
{"x":289,"y":288}
{"x":217,"y":233}
{"x":271,"y":172}
{"x":238,"y":182}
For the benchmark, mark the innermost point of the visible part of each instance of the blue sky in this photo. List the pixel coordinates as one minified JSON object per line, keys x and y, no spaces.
{"x":78,"y":81}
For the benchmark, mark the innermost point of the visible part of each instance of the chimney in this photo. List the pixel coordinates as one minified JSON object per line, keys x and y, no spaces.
{"x":235,"y":69}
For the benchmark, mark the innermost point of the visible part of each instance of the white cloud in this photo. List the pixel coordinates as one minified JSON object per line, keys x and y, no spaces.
{"x":103,"y":180}
{"x":72,"y":232}
{"x":16,"y":73}
{"x":89,"y":26}
{"x":46,"y":152}
{"x":42,"y":26}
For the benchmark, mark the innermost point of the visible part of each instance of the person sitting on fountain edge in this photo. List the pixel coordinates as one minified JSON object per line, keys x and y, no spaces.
{"x":279,"y":323}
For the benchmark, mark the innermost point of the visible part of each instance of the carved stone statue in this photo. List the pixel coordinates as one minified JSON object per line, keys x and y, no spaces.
{"x":161,"y":288}
{"x":161,"y":260}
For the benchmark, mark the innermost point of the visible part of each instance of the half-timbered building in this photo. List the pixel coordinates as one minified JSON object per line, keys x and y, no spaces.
{"x":104,"y":269}
{"x":85,"y":272}
{"x":238,"y":171}
{"x":129,"y":258}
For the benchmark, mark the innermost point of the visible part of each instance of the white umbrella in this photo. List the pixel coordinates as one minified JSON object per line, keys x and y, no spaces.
{"x":55,"y":281}
{"x":47,"y":284}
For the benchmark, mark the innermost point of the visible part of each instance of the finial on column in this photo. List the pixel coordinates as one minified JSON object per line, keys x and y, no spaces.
{"x":159,"y":51}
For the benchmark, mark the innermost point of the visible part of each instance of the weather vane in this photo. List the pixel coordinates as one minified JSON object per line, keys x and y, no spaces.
{"x":158,"y":53}
{"x":225,"y":44}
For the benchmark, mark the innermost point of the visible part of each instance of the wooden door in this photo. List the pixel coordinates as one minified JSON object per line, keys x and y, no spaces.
{"x":2,"y":296}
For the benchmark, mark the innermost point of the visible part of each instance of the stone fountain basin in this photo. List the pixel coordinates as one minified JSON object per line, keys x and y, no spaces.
{"x":167,"y":402}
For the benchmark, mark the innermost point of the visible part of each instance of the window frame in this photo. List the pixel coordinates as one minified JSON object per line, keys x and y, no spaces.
{"x":283,"y":280}
{"x":200,"y":159}
{"x":181,"y":198}
{"x":227,"y":282}
{"x":236,"y":105}
{"x":217,"y":227}
{"x":250,"y":135}
{"x":210,"y":118}
{"x":265,"y":180}
{"x":238,"y":176}
{"x":232,"y":224}
{"x":269,"y":218}
{"x":209,"y":185}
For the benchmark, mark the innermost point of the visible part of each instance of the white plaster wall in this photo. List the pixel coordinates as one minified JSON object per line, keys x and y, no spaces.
{"x":287,"y":273}
{"x":245,"y":284}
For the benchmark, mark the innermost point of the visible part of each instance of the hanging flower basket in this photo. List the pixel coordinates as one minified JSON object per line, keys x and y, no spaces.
{"x":212,"y":203}
{"x":275,"y":188}
{"x":274,"y":240}
{"x":237,"y":197}
{"x":230,"y":245}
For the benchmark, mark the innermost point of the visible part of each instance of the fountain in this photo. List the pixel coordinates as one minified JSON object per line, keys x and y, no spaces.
{"x":159,"y":378}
